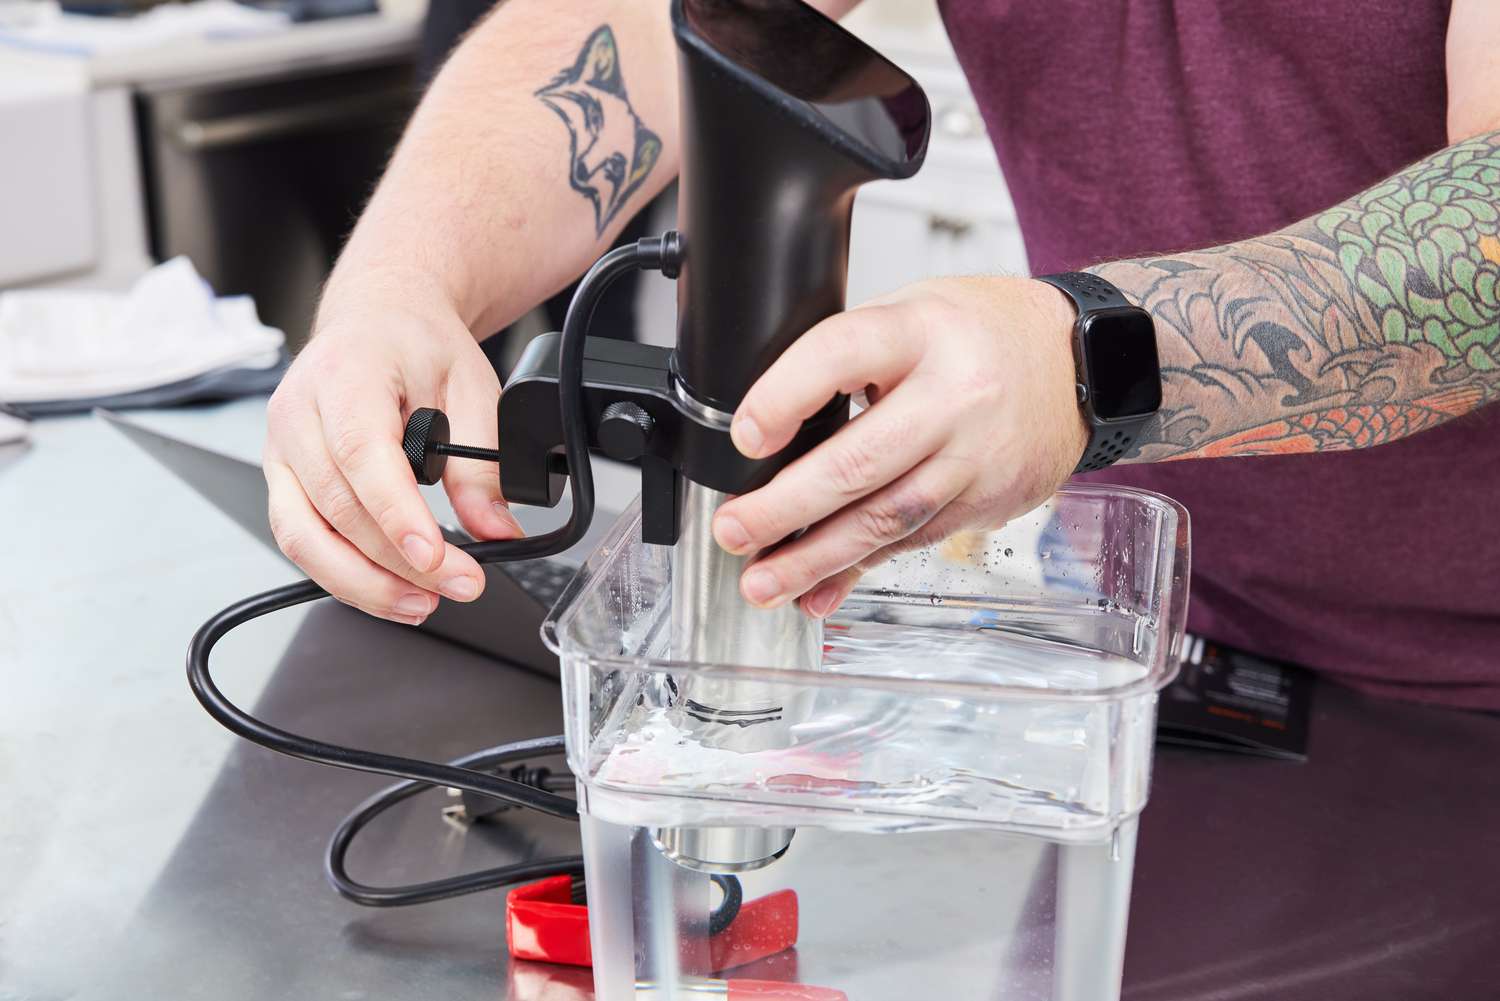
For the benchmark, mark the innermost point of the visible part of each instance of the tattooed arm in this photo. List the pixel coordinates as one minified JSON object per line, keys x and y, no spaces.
{"x":548,"y":128}
{"x":1376,"y":319}
{"x":1373,"y":320}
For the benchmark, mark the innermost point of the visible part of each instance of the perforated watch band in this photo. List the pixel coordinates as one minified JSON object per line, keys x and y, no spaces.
{"x":1108,"y":441}
{"x":1087,"y":291}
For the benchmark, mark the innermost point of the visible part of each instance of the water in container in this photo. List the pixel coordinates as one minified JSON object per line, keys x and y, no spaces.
{"x":961,"y":773}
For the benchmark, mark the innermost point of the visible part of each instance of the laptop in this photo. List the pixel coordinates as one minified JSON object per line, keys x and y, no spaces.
{"x":504,"y":622}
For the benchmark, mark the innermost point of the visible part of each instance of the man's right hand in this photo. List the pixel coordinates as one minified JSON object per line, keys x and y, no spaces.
{"x":344,"y":505}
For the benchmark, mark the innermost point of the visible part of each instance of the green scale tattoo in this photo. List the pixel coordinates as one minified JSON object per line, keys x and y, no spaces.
{"x":1374,"y":320}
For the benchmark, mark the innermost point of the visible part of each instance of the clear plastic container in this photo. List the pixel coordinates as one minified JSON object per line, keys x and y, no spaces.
{"x":963,"y":771}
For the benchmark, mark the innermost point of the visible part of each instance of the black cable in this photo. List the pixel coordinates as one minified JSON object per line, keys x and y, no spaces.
{"x":664,"y":254}
{"x":729,"y":908}
{"x":334,"y":860}
{"x":719,"y":919}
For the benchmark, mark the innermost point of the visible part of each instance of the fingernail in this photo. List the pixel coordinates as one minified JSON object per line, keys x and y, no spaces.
{"x":504,"y":514}
{"x":409,"y":620}
{"x":415,"y":603}
{"x":460,"y":588}
{"x":731,"y":535}
{"x":418,"y":551}
{"x":823,"y":601}
{"x":747,"y":436}
{"x":760,"y":586}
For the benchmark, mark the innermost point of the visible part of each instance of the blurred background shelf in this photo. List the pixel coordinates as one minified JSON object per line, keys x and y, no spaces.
{"x":253,"y":155}
{"x":250,"y":155}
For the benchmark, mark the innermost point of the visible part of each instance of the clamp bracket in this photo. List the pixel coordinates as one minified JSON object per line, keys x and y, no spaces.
{"x":637,"y":411}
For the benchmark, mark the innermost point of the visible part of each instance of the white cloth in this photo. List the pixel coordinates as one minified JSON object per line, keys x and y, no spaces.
{"x":70,"y":345}
{"x":45,"y":28}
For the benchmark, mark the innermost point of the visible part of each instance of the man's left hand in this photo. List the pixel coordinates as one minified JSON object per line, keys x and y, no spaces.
{"x":972,"y":420}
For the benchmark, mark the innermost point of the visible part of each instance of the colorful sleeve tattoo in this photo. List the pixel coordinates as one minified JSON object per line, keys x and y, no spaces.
{"x":1377,"y":319}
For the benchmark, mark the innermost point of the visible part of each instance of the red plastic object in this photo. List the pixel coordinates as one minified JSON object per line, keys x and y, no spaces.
{"x":764,"y":927}
{"x":544,"y":925}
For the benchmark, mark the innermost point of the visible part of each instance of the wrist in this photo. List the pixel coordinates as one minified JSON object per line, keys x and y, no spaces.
{"x":1059,"y":319}
{"x":355,"y":290}
{"x":1116,"y":360}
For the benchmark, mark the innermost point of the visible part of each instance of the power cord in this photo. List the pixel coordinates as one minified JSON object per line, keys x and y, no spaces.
{"x":467,"y":773}
{"x":336,"y":867}
{"x":334,"y":859}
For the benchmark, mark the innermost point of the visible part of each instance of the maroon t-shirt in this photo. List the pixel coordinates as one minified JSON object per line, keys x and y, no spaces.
{"x":1129,"y":127}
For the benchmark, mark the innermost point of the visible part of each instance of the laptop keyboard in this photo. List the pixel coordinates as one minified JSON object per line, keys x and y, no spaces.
{"x":544,"y":580}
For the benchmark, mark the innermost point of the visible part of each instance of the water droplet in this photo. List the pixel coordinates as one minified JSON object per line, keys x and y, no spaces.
{"x":1009,"y":551}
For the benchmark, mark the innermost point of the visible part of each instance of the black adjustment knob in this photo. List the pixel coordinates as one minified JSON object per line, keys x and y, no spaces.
{"x":624,"y":431}
{"x":426,"y":433}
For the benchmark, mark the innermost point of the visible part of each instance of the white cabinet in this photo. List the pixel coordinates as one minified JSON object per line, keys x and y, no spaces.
{"x":47,"y":204}
{"x":955,"y":216}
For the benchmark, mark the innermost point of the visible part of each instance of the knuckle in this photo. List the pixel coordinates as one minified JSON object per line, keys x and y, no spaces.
{"x":281,"y":412}
{"x":350,"y":447}
{"x":383,"y":596}
{"x":342,"y":509}
{"x":894,"y":330}
{"x":852,"y":467}
{"x":799,"y":571}
{"x":976,"y":390}
{"x":292,"y":543}
{"x":276,"y":406}
{"x":886,"y":519}
{"x":847,"y":342}
{"x":759,"y":518}
{"x":388,"y":516}
{"x":771,"y":405}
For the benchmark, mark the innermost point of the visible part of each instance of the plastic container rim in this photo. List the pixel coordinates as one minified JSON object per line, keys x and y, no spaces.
{"x":1172,"y":577}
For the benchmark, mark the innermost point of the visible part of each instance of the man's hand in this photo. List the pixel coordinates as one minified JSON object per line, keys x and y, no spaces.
{"x":973,"y":420}
{"x":344,"y":504}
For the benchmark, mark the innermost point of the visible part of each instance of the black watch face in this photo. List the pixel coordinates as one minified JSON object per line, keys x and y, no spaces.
{"x":1119,"y":359}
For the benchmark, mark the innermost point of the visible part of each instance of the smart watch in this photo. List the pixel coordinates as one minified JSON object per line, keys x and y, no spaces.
{"x":1119,"y":374}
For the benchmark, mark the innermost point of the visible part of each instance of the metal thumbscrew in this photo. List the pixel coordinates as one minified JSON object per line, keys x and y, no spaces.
{"x":427,"y":447}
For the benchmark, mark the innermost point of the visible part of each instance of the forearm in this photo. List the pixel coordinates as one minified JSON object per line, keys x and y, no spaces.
{"x":503,"y":190}
{"x":1374,"y":320}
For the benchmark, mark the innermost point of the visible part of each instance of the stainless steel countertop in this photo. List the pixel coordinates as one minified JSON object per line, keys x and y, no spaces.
{"x":104,"y":571}
{"x":144,"y":853}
